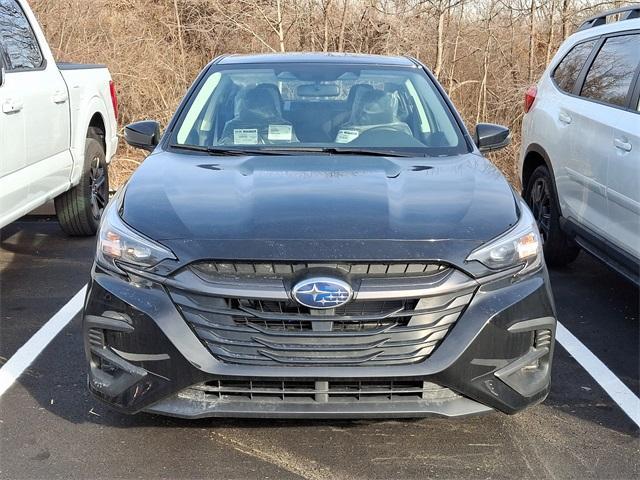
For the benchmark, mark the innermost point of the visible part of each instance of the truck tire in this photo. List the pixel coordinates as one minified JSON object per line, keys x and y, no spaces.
{"x":540,"y":195}
{"x":79,"y":209}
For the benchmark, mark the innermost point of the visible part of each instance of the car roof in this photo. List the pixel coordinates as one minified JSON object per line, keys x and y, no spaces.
{"x":313,"y":57}
{"x":613,"y":27}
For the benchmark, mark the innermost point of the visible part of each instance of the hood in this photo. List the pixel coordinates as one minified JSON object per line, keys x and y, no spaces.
{"x":324,"y":206}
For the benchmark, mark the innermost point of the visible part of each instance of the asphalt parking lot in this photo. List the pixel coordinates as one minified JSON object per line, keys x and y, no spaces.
{"x":52,"y":428}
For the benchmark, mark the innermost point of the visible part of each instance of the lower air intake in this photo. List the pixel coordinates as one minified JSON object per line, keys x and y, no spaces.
{"x":318,"y":390}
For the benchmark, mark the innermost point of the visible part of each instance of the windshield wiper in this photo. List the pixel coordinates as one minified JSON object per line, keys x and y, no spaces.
{"x":246,"y":151}
{"x":340,"y":151}
{"x":370,"y":152}
{"x":194,"y":148}
{"x":226,"y":151}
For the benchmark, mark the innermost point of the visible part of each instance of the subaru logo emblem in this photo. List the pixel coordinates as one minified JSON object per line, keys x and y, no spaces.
{"x":322,"y":293}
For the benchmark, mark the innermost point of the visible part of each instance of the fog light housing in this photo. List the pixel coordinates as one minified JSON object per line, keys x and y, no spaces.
{"x":529,"y":374}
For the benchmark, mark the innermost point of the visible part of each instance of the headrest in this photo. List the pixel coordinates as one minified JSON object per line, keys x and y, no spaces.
{"x":376,"y":108}
{"x":357,"y":91}
{"x":259,"y":101}
{"x":275,"y":94}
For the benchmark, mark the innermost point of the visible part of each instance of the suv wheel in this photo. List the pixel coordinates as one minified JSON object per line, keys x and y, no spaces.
{"x":79,"y":209}
{"x":541,"y":197}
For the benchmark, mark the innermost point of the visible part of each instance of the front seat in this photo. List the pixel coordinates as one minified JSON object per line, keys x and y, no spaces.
{"x":275,"y":94}
{"x":356,"y":92}
{"x":376,"y":109}
{"x":238,"y":100}
{"x":258,"y":120}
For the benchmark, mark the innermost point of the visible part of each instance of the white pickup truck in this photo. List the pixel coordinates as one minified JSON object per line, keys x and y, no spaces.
{"x":58,"y":128}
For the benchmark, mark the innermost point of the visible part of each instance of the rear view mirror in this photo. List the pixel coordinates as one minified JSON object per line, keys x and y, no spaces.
{"x":144,"y":134}
{"x":490,"y":137}
{"x":318,"y":90}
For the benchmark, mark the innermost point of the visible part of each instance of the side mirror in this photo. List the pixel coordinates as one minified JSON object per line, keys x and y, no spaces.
{"x":490,"y":137}
{"x":144,"y":134}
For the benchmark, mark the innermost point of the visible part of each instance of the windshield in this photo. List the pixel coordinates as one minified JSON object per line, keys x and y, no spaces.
{"x":318,"y":106}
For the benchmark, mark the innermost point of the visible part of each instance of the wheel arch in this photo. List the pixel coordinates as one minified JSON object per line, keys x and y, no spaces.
{"x":92,"y":115}
{"x":97,"y":125}
{"x":535,"y":157}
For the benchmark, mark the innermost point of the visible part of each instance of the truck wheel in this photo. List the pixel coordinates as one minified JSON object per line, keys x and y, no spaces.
{"x":540,"y":195}
{"x":79,"y":209}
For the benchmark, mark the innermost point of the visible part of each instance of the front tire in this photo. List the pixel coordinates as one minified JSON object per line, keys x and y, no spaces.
{"x":79,"y":209}
{"x":540,"y":195}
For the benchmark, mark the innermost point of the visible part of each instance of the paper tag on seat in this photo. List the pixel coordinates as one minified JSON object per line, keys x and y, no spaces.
{"x":280,"y":133}
{"x":346,"y":136}
{"x":245,"y":136}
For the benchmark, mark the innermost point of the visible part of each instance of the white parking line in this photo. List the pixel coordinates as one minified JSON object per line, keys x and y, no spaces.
{"x":26,"y":354}
{"x":618,"y":391}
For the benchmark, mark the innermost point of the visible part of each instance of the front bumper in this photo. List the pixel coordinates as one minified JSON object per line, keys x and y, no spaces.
{"x":142,"y":355}
{"x":438,"y":401}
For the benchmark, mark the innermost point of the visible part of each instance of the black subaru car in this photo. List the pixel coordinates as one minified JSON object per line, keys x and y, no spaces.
{"x":318,"y":235}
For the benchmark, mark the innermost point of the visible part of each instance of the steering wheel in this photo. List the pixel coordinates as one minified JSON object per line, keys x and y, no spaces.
{"x":387,"y":136}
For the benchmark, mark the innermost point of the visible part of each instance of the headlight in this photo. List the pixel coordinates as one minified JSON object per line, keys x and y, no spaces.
{"x":521,"y":245}
{"x":119,"y":244}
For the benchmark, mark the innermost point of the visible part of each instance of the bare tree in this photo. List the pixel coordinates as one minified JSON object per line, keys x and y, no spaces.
{"x":564,"y":25}
{"x":547,"y":57}
{"x":532,"y":38}
{"x":441,"y":10}
{"x":343,"y":25}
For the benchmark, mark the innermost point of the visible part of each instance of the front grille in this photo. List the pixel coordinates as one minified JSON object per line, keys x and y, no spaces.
{"x":301,"y":391}
{"x":213,"y":270}
{"x":391,"y":321}
{"x":291,"y":316}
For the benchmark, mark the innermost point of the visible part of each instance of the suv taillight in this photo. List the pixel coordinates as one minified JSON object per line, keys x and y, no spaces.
{"x":114,"y":98}
{"x":530,"y":97}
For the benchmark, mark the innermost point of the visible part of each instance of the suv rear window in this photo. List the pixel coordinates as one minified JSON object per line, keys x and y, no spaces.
{"x":567,"y":71}
{"x":611,"y":73}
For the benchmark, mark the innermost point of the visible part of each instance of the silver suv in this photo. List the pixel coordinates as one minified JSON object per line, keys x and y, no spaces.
{"x":580,"y":157}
